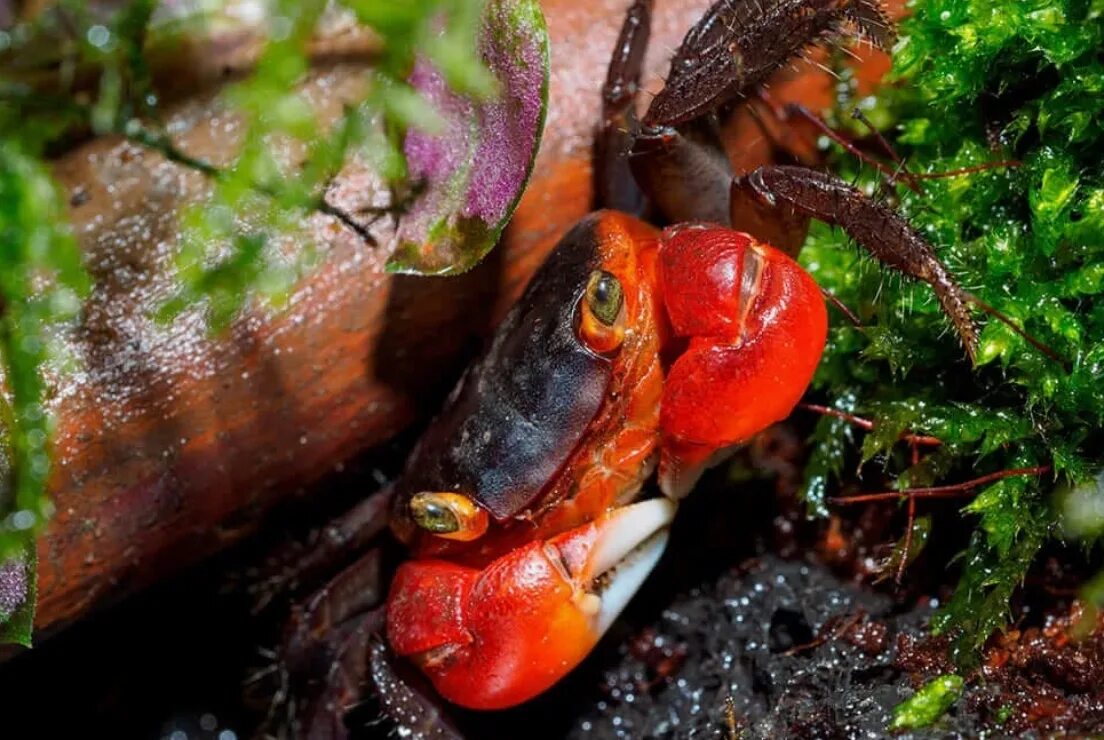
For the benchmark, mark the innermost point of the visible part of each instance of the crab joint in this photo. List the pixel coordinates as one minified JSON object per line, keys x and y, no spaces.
{"x":452,"y":516}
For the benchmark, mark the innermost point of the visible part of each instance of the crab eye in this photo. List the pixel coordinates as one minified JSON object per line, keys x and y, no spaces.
{"x":601,"y":324}
{"x":604,"y":297}
{"x":452,"y":516}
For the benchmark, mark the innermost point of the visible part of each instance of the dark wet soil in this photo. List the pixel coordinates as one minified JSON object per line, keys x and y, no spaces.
{"x":757,"y":624}
{"x":775,"y":649}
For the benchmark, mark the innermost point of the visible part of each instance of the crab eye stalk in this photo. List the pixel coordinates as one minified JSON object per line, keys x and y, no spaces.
{"x":452,"y":516}
{"x":602,"y":313}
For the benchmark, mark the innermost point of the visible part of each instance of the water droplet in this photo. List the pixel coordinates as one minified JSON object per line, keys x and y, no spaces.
{"x":98,"y":36}
{"x":23,"y":519}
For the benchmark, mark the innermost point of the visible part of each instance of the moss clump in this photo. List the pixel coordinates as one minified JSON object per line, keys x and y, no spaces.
{"x":978,"y":81}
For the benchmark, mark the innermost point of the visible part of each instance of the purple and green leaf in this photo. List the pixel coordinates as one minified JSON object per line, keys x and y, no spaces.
{"x":475,"y":166}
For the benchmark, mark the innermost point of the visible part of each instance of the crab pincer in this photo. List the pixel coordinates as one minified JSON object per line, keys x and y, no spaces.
{"x":495,"y":637}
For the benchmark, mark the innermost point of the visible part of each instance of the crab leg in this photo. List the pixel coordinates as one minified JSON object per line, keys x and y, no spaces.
{"x":738,"y":44}
{"x":732,"y":50}
{"x":327,"y":550}
{"x":329,"y":637}
{"x":614,"y":186}
{"x":684,"y":171}
{"x":880,"y":230}
{"x":337,"y":636}
{"x":355,"y":590}
{"x":676,"y":157}
{"x":340,"y":657}
{"x":406,"y":699}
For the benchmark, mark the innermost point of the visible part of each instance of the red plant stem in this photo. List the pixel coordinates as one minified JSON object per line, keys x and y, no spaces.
{"x":800,"y":110}
{"x":967,"y":170}
{"x":1007,"y":321}
{"x":858,"y":115}
{"x":949,"y":491}
{"x":851,"y":316}
{"x":908,"y":539}
{"x":868,"y":425}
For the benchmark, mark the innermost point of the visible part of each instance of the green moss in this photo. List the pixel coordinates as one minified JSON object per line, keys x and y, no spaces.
{"x":928,"y":704}
{"x":983,"y":81}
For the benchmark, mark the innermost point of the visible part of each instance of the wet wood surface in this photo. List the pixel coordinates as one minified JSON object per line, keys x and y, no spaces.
{"x":172,"y":444}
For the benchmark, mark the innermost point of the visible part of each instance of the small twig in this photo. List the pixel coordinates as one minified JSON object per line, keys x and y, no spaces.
{"x":950,"y":491}
{"x":868,"y":425}
{"x":164,"y":146}
{"x":1007,"y":321}
{"x":800,"y":110}
{"x":851,"y":315}
{"x":907,"y":548}
{"x":968,"y":170}
{"x":324,"y":206}
{"x":859,"y":116}
{"x":835,"y":634}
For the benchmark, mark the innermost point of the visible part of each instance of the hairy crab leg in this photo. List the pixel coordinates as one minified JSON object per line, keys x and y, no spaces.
{"x":680,"y":171}
{"x":326,"y":649}
{"x":354,"y":590}
{"x":338,"y":636}
{"x":738,"y":44}
{"x":341,"y":658}
{"x":414,"y":708}
{"x":732,"y":50}
{"x":883,"y":232}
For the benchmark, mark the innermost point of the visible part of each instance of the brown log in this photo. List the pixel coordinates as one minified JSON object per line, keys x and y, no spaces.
{"x":171,"y":444}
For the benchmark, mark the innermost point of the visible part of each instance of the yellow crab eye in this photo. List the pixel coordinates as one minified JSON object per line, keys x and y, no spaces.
{"x":452,"y":516}
{"x":602,"y":314}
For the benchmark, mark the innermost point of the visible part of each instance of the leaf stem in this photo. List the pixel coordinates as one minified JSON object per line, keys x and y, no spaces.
{"x":949,"y":491}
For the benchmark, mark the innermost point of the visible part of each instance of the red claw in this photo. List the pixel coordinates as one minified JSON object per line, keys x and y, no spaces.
{"x":755,"y":326}
{"x":496,"y":637}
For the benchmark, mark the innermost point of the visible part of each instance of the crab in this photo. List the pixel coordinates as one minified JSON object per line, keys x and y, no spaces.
{"x":634,"y":349}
